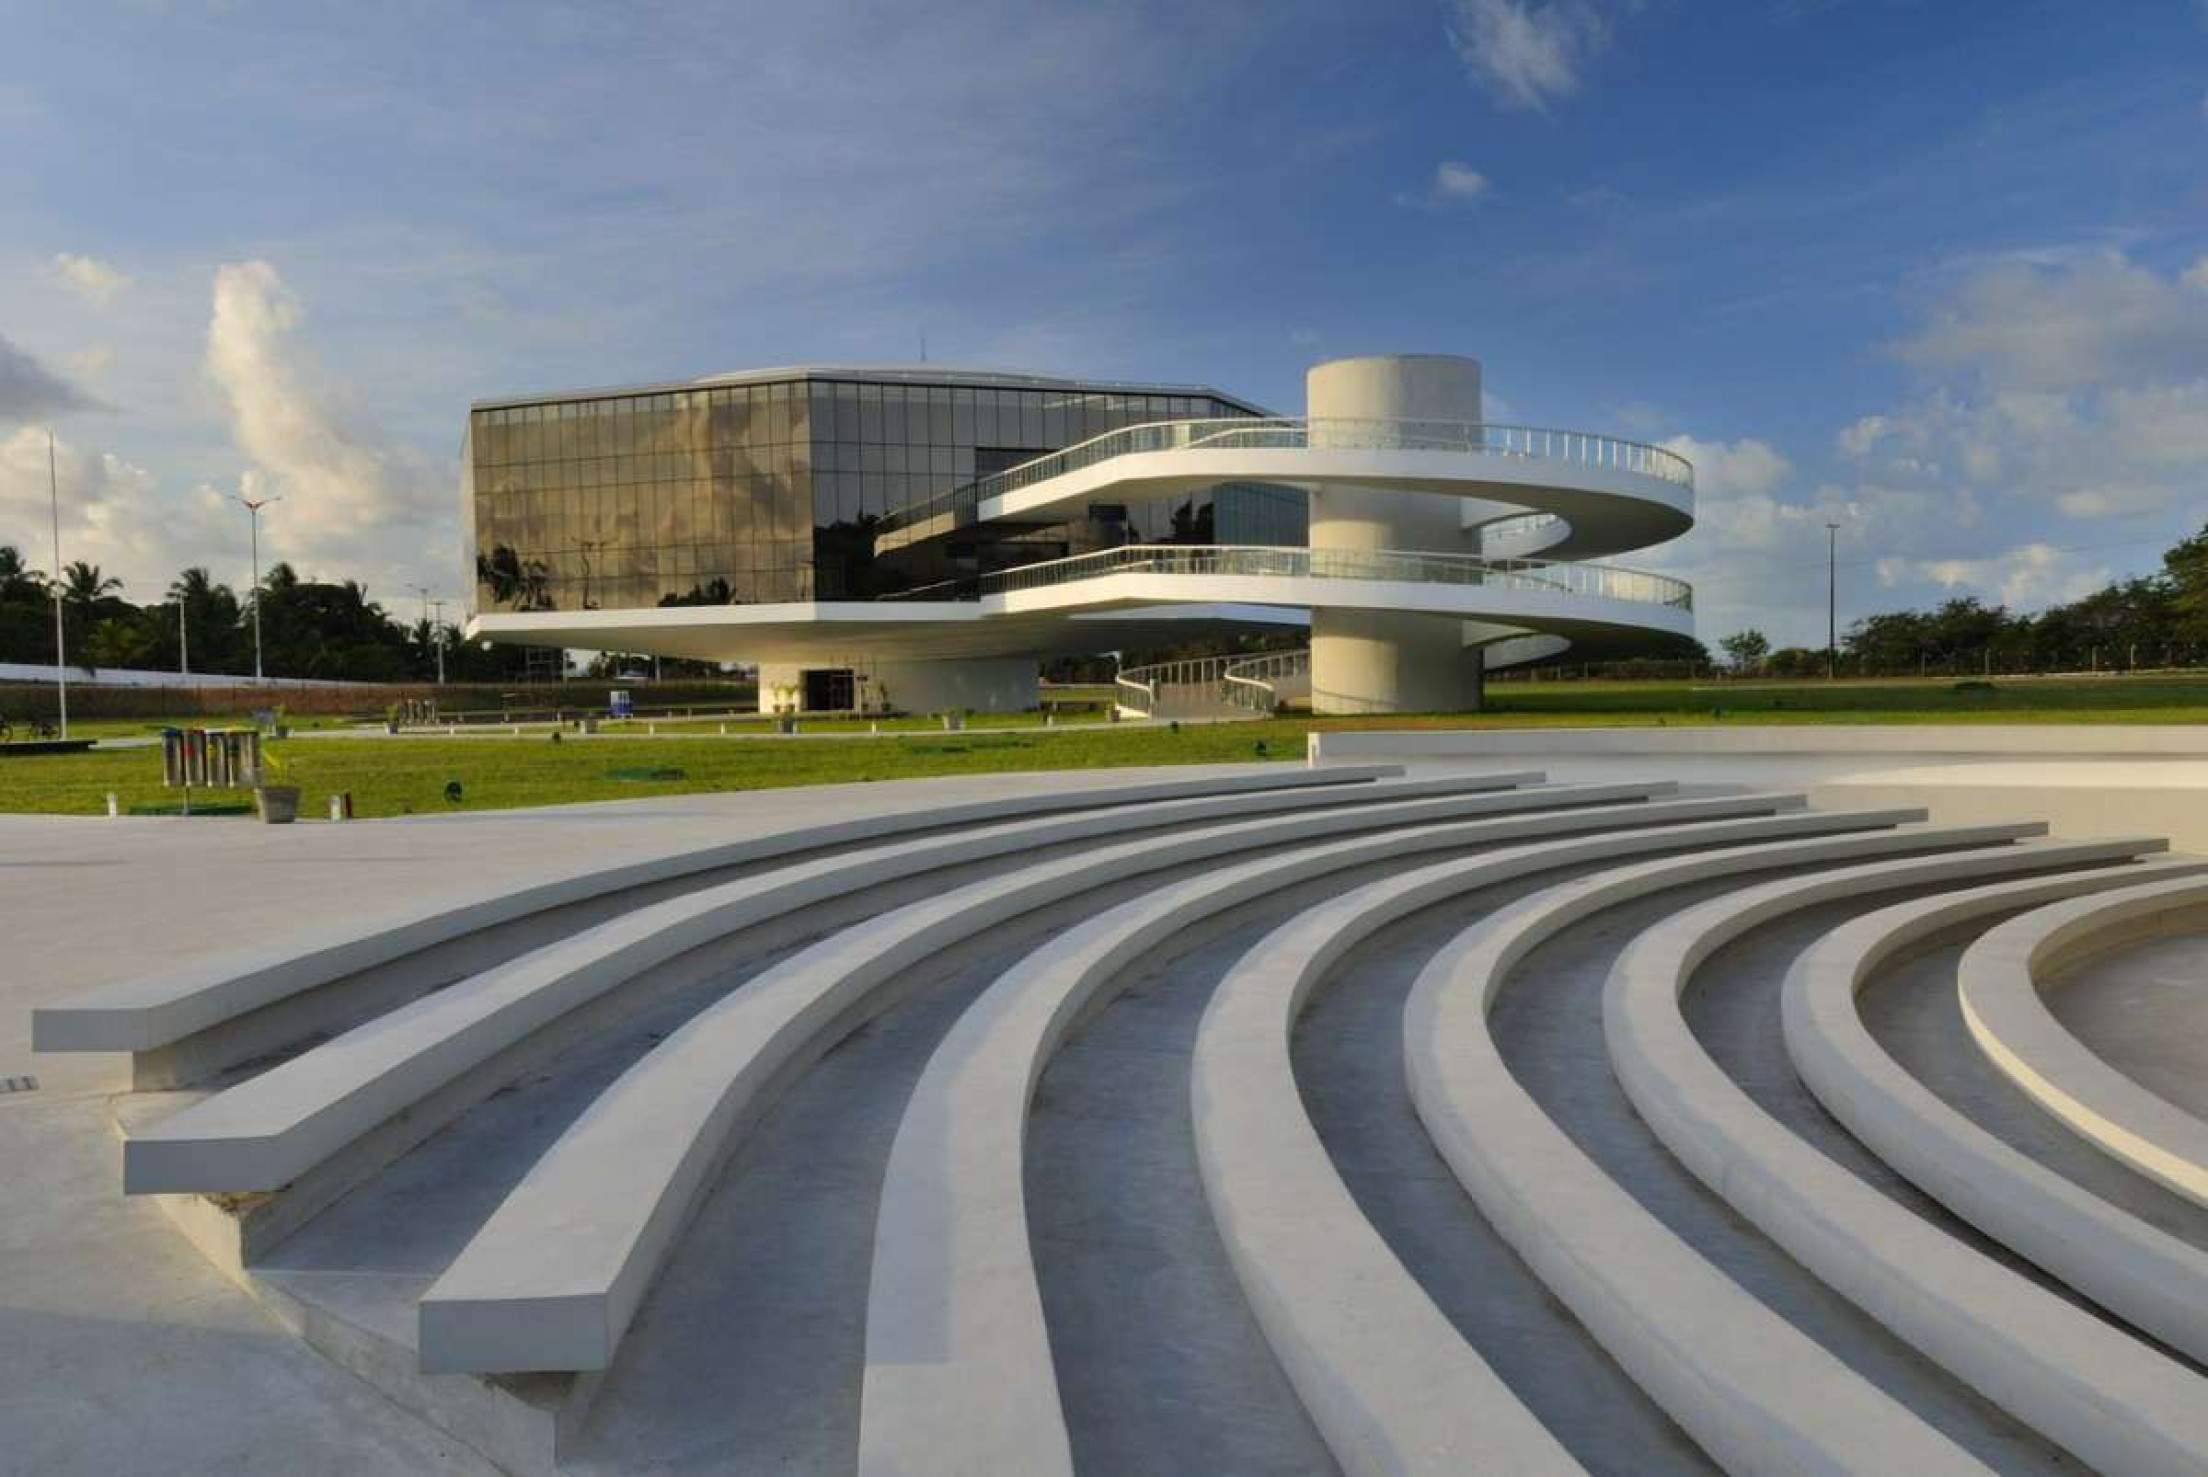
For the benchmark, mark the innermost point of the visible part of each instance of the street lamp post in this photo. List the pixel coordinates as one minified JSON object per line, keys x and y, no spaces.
{"x":253,"y":509}
{"x":437,"y":636}
{"x":61,"y":638}
{"x":1832,"y":601}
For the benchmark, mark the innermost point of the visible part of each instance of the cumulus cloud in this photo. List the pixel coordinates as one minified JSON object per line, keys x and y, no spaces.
{"x":1526,"y":53}
{"x":2065,"y":325}
{"x":114,"y":513}
{"x":30,"y":391}
{"x":2028,"y":576}
{"x":95,"y":281}
{"x":1454,"y":183}
{"x":339,"y":481}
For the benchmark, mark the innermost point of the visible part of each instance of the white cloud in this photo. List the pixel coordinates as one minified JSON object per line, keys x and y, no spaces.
{"x":2026,"y":577}
{"x":2196,"y":275}
{"x":95,"y":281}
{"x":1458,"y":181}
{"x":2065,"y":325}
{"x":1454,"y":183}
{"x":113,"y":513}
{"x":2113,"y":501}
{"x":1730,"y":471}
{"x":1527,"y":53}
{"x":364,"y":507}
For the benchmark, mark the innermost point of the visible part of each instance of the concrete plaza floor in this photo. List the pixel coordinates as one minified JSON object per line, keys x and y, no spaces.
{"x":125,"y":1351}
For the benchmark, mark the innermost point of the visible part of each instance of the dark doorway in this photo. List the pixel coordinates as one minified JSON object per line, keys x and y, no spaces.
{"x":828,"y":690}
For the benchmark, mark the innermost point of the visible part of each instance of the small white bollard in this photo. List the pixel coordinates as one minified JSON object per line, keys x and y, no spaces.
{"x":651,"y":730}
{"x":874,"y":728}
{"x":113,"y":810}
{"x":724,"y":730}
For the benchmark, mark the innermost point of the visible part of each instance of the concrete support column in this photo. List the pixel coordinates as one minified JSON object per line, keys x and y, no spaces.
{"x":1365,"y":661}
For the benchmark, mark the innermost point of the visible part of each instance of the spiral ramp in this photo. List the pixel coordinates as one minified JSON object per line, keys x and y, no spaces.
{"x":1297,"y":1119}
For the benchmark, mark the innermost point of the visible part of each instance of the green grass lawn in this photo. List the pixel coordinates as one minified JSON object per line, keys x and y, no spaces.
{"x":409,"y":775}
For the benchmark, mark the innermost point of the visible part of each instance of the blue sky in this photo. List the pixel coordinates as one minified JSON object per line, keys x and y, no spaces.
{"x":1936,"y":271}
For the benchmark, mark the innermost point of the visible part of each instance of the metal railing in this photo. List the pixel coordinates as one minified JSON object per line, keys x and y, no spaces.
{"x":960,"y":506}
{"x":1537,"y":530}
{"x":1253,"y":682}
{"x":1604,"y":581}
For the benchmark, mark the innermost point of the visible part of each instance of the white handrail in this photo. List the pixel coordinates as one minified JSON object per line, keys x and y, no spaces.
{"x":1604,"y":581}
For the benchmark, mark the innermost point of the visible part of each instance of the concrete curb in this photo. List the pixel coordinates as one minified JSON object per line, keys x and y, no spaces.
{"x":958,"y":1373}
{"x":1998,"y":981}
{"x":1754,"y":1391}
{"x":139,"y":1015}
{"x":553,"y":1278}
{"x":2142,"y":1274}
{"x":2111,"y":1400}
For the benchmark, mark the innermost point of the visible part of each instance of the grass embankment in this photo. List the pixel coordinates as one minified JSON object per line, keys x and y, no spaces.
{"x":409,"y":775}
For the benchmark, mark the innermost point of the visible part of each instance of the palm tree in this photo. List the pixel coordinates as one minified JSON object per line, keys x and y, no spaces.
{"x":83,"y":586}
{"x":18,"y":581}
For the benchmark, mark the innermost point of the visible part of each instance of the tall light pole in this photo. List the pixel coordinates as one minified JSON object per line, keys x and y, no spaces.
{"x":437,"y":636}
{"x":1832,"y":601}
{"x":183,"y":636}
{"x":253,"y":509}
{"x":61,"y":639}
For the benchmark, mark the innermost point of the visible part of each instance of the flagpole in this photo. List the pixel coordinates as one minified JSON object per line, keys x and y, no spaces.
{"x":61,"y":650}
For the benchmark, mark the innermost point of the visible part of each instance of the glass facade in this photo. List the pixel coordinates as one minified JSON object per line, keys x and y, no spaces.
{"x":767,"y":490}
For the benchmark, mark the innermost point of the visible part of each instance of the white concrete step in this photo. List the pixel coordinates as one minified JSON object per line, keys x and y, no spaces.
{"x":142,"y":1014}
{"x":2110,"y":1399}
{"x":618,"y":1185}
{"x":959,"y":1376}
{"x":1753,"y":1390}
{"x":2141,"y":1273}
{"x":264,"y":1133}
{"x":2000,"y":982}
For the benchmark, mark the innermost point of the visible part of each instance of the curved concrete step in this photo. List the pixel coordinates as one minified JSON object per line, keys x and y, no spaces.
{"x":1755,"y":1391}
{"x":1384,"y":1374}
{"x":2151,"y":1279}
{"x":959,"y":1375}
{"x":553,"y":1277}
{"x":2110,"y":1399}
{"x":143,"y":1014}
{"x":266,"y":1132}
{"x":1999,"y":984}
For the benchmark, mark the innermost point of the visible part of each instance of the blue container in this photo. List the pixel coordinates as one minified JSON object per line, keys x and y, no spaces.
{"x":619,"y":703}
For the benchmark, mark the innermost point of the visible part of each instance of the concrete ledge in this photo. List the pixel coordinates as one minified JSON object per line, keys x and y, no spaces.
{"x":958,"y":1370}
{"x":1999,"y":984}
{"x":2114,"y":1402}
{"x":553,"y":1278}
{"x":140,"y":1015}
{"x":1769,"y":738}
{"x":267,"y":1132}
{"x":2151,"y":1279}
{"x":1754,"y":1391}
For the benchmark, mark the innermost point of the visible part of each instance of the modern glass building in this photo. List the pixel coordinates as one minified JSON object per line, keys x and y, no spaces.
{"x":920,"y":537}
{"x":767,"y":486}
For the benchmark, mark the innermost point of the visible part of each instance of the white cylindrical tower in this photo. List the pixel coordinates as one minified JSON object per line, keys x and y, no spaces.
{"x":1365,"y":661}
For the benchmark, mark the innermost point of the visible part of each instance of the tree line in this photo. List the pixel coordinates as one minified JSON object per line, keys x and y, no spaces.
{"x":309,"y":628}
{"x":2157,"y":620}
